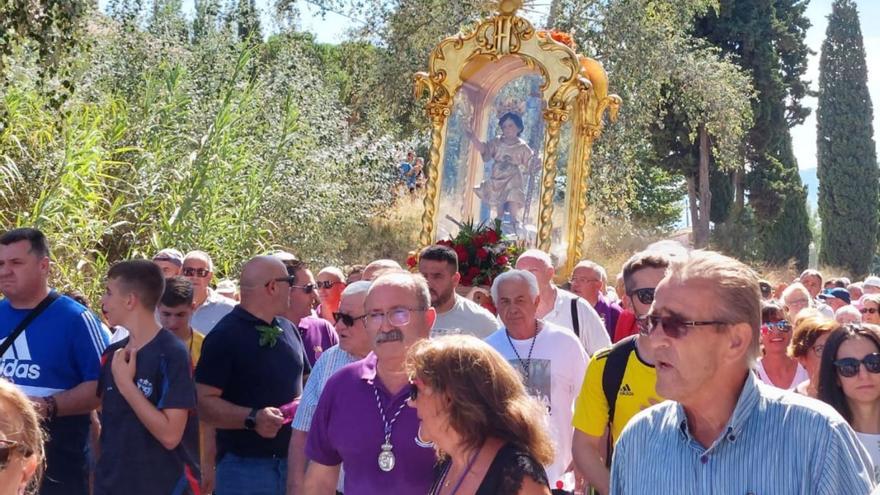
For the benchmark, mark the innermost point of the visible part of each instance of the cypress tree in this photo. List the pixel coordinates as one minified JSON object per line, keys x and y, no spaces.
{"x":847,"y":158}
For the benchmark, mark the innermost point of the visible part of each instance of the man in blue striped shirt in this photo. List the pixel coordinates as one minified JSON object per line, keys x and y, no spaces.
{"x":354,"y":344}
{"x":723,"y":432}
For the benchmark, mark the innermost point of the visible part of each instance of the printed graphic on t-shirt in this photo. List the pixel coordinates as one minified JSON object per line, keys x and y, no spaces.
{"x":540,"y":382}
{"x":16,"y":361}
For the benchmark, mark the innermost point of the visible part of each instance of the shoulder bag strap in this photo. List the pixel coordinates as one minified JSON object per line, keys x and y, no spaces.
{"x":49,"y":299}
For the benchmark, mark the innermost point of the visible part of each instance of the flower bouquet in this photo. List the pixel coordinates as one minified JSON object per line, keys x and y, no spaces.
{"x":483,"y":253}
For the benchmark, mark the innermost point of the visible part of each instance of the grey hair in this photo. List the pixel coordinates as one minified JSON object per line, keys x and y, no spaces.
{"x":796,"y":287}
{"x":845,"y":311}
{"x":197,"y":254}
{"x":356,"y":288}
{"x":412,"y":281}
{"x":596,"y":267}
{"x":512,"y":275}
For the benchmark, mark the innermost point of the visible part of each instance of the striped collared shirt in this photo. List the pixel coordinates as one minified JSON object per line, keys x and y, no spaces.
{"x":330,"y":361}
{"x":776,"y":442}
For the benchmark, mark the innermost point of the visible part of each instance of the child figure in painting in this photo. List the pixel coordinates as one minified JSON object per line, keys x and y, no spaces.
{"x":504,"y":189}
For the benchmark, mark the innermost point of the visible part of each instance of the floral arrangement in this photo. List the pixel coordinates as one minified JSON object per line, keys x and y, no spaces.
{"x":483,"y":253}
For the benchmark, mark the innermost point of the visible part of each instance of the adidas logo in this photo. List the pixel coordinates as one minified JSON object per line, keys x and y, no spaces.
{"x":625,"y":390}
{"x":16,"y":362}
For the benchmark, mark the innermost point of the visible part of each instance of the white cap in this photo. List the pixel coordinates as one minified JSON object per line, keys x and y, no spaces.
{"x":873,"y":281}
{"x":226,"y":286}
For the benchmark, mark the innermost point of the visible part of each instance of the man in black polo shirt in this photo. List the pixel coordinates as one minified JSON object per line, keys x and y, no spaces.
{"x":247,"y":377}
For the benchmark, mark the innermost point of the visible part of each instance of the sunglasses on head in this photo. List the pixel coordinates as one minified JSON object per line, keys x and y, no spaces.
{"x":673,"y":326}
{"x":868,"y":310}
{"x":346,"y":319}
{"x":7,"y":447}
{"x":644,"y":295}
{"x":775,"y":327}
{"x":195,"y":272}
{"x":849,"y":367}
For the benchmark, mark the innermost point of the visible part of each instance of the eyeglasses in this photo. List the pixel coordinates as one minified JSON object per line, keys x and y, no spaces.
{"x":849,"y":367}
{"x":287,"y":279}
{"x":645,"y":295}
{"x":397,"y":317}
{"x":869,"y":310}
{"x":7,"y":447}
{"x":583,"y":280}
{"x":673,"y":326}
{"x":346,"y":319}
{"x":325,"y":284}
{"x":775,"y":327}
{"x":308,"y":288}
{"x":195,"y":272}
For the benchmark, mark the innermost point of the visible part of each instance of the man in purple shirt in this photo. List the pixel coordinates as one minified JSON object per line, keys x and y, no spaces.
{"x":362,"y":418}
{"x":588,"y":280}
{"x":317,"y":333}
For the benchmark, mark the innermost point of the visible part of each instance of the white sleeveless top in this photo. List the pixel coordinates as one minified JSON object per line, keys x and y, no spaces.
{"x":800,"y":375}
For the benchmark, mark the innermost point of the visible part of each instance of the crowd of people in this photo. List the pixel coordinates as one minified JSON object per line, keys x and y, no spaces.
{"x":688,"y":375}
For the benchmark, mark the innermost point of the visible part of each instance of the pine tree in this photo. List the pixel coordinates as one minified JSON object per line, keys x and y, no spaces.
{"x":847,"y":158}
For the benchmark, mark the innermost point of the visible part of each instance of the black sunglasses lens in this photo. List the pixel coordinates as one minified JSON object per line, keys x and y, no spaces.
{"x":847,"y":367}
{"x":646,"y":296}
{"x":872,"y":363}
{"x":347,"y":320}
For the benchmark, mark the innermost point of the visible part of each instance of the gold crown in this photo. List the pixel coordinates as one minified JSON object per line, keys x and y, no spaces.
{"x":511,"y":105}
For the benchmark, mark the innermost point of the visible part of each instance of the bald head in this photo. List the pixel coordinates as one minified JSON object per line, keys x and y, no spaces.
{"x":371,"y":271}
{"x":259,"y":270}
{"x":539,"y":264}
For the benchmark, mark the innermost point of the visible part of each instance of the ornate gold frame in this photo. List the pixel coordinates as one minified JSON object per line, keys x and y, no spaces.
{"x":574,"y":85}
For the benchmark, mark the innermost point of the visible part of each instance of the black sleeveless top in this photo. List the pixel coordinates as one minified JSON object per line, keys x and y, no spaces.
{"x":506,"y":473}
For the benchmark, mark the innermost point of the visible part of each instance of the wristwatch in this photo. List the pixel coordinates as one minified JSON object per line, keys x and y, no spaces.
{"x":250,"y":422}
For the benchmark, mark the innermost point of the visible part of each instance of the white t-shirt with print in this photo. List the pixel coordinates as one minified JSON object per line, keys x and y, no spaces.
{"x":465,"y":317}
{"x":557,"y":367}
{"x":592,"y":334}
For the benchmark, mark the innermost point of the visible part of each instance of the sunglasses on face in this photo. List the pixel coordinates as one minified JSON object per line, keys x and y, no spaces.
{"x":326,"y":284}
{"x":868,"y":310}
{"x":583,"y":280}
{"x":7,"y":447}
{"x":397,"y":317}
{"x":849,"y":367}
{"x":308,"y":288}
{"x":644,"y":295}
{"x":674,"y":327}
{"x":289,"y":280}
{"x":346,"y":319}
{"x":775,"y":327}
{"x":195,"y":272}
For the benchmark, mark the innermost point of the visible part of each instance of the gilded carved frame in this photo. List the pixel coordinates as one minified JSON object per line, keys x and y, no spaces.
{"x":574,"y":86}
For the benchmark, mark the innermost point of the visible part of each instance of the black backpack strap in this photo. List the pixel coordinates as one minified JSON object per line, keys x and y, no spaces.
{"x":49,"y":299}
{"x":575,"y":322}
{"x":612,"y":377}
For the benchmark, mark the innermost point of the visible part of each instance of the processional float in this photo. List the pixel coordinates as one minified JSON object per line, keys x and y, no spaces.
{"x":514,"y":113}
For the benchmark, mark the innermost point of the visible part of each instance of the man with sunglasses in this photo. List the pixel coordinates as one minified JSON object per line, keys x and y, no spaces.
{"x":362,"y":419}
{"x":330,"y":284}
{"x":210,"y":306}
{"x":247,"y":379}
{"x":316,"y":333}
{"x":722,"y":430}
{"x":354,"y":345}
{"x":619,"y":381}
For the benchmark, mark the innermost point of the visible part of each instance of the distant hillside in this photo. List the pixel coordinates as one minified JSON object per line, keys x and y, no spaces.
{"x":808,"y":177}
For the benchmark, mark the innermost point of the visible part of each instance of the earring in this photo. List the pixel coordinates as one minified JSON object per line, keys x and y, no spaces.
{"x":422,"y":443}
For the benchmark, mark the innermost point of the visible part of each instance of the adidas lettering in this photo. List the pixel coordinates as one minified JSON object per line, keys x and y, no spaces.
{"x":16,"y":369}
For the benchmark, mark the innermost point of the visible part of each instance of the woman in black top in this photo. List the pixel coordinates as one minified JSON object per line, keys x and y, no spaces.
{"x":490,"y":435}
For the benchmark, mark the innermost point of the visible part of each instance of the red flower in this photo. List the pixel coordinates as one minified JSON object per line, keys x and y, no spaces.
{"x":478,"y":241}
{"x":467,"y":281}
{"x":502,"y":260}
{"x":462,"y":253}
{"x":482,"y":253}
{"x":411,"y":261}
{"x":491,"y":237}
{"x":445,"y":242}
{"x":472,"y":272}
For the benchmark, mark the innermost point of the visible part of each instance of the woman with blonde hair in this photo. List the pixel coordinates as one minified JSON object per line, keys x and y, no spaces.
{"x":21,"y":442}
{"x":491,"y":436}
{"x":811,"y":330}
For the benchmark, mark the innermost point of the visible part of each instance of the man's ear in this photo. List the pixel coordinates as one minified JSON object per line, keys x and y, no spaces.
{"x":740,"y":338}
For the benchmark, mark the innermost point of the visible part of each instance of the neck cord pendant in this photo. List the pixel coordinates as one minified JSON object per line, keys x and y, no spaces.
{"x":526,"y":364}
{"x":386,"y":456}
